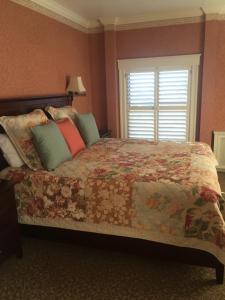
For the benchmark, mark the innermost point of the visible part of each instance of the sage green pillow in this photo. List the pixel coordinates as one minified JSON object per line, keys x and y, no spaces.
{"x":88,"y":128}
{"x":50,"y":145}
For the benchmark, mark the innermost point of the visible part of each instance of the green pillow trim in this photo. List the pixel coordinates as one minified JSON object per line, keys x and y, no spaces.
{"x":88,"y":128}
{"x":51,"y":145}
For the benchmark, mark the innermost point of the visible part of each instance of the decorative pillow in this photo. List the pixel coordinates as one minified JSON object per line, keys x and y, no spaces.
{"x":9,"y":152}
{"x":71,"y":136}
{"x":3,"y":162}
{"x":88,"y":128}
{"x":18,"y":130}
{"x":50,"y":145}
{"x":58,"y":113}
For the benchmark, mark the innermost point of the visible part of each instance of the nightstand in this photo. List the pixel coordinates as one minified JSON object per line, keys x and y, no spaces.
{"x":105,"y":133}
{"x":9,"y":229}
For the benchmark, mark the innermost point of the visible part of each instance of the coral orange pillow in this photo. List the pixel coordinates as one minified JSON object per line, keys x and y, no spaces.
{"x":71,"y":136}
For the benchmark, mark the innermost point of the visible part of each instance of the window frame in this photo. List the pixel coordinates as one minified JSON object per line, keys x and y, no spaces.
{"x":190,"y":62}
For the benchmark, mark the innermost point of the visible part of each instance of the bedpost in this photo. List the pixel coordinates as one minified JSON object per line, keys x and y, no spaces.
{"x":220,"y":273}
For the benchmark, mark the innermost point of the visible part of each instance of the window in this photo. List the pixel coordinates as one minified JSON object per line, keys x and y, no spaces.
{"x":158,"y":97}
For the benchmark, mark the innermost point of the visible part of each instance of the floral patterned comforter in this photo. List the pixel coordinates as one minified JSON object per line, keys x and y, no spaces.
{"x":166,"y":192}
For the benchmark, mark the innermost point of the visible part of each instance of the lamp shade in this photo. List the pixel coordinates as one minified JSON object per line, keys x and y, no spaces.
{"x":76,"y":86}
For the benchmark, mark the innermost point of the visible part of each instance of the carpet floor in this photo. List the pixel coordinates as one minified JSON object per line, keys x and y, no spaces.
{"x":58,"y":271}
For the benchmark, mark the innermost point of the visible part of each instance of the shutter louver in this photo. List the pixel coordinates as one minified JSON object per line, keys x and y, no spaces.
{"x":141,"y":88}
{"x":173,"y":87}
{"x":172,"y":103}
{"x":141,"y":124}
{"x":141,"y":95}
{"x":172,"y":125}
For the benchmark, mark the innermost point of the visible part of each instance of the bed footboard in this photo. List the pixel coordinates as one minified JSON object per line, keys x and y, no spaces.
{"x":132,"y":245}
{"x":220,"y":273}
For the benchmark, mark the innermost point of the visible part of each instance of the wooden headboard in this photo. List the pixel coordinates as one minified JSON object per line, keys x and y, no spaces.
{"x":23,"y":105}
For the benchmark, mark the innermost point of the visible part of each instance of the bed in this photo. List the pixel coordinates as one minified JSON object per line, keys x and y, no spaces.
{"x":160,"y":199}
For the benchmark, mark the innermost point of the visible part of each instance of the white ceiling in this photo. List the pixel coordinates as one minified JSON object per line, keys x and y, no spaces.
{"x":103,"y":9}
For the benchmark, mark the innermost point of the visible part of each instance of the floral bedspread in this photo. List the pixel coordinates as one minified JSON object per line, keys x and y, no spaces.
{"x":166,"y":192}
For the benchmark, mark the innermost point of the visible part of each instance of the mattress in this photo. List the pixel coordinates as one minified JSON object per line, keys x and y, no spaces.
{"x":166,"y":192}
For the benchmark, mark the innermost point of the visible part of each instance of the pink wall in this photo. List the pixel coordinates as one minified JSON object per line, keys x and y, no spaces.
{"x":160,"y":41}
{"x":148,"y":42}
{"x":98,"y":83}
{"x":219,"y":117}
{"x":37,"y":53}
{"x":112,"y":89}
{"x":206,"y":38}
{"x":213,"y":91}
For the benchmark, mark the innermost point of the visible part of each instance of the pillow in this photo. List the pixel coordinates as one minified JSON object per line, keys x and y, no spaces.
{"x":3,"y":162}
{"x":9,"y":152}
{"x":58,"y":113}
{"x":18,"y":130}
{"x":88,"y":128}
{"x":71,"y":136}
{"x":50,"y":145}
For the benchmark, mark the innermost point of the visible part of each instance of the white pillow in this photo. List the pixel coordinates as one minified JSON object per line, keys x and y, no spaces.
{"x":9,"y":152}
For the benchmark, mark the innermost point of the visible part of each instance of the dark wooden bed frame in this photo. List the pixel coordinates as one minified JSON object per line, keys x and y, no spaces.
{"x":16,"y":106}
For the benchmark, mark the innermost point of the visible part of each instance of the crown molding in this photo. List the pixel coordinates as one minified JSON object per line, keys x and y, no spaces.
{"x":160,"y":23}
{"x":215,"y":17}
{"x":165,"y":16}
{"x":109,"y":24}
{"x":214,"y":13}
{"x":213,"y":9}
{"x":211,"y":17}
{"x":98,"y":29}
{"x":152,"y":20}
{"x":56,"y":11}
{"x":222,"y":17}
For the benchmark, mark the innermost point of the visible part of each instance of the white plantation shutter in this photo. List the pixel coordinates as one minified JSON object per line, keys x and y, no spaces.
{"x":141,"y":101}
{"x":173,"y":93}
{"x":158,"y":97}
{"x":157,"y":104}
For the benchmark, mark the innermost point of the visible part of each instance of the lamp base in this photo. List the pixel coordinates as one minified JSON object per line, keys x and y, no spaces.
{"x":70,"y":96}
